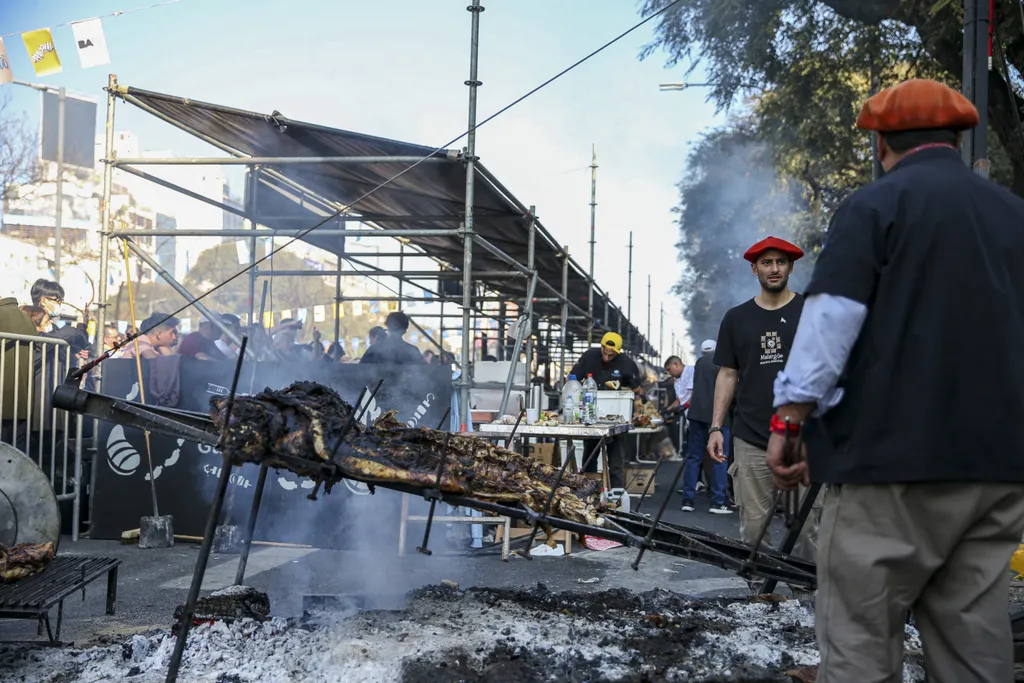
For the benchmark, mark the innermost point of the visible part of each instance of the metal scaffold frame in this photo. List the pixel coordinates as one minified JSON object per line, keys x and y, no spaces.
{"x":545,"y":285}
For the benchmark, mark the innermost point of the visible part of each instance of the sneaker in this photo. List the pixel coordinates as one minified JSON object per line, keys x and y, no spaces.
{"x":700,"y":486}
{"x":721,"y":510}
{"x":687,"y":506}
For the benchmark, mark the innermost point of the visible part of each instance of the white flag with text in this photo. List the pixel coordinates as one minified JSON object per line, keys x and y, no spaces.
{"x":6,"y":75}
{"x":91,"y":43}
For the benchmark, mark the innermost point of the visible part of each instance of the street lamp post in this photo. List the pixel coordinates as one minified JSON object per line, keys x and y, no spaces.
{"x":665,"y":87}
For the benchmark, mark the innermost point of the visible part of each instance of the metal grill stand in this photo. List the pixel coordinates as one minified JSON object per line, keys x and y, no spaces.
{"x":33,"y":596}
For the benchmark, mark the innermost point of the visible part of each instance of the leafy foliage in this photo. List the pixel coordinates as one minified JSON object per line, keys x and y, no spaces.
{"x":801,"y":70}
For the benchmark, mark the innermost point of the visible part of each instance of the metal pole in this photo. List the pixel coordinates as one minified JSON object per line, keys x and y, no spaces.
{"x":337,"y":303}
{"x":593,"y":225}
{"x":531,"y":247}
{"x":875,"y":82}
{"x":466,"y":380}
{"x":629,"y":285}
{"x":974,"y":147}
{"x":565,"y":309}
{"x":169,"y":279}
{"x":251,"y":179}
{"x":661,"y":332}
{"x":108,"y":172}
{"x":648,"y":310}
{"x":518,"y":347}
{"x":244,"y":161}
{"x":59,"y":212}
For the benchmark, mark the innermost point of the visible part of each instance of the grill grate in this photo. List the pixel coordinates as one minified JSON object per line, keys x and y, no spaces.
{"x":62,"y":577}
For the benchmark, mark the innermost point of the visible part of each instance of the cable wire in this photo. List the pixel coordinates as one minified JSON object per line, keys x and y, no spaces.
{"x":102,"y":16}
{"x":348,"y":207}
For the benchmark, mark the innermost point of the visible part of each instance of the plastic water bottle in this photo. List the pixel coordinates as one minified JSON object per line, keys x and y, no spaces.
{"x":589,"y":400}
{"x":571,"y":401}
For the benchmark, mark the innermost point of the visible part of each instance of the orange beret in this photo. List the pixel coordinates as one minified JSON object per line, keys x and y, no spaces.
{"x":791,"y":250}
{"x":917,"y":104}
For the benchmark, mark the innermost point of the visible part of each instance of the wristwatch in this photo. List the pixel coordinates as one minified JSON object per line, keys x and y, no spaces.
{"x":712,"y":430}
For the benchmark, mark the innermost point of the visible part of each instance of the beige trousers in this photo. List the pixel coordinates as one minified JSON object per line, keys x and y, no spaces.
{"x":941,"y":551}
{"x":755,"y":493}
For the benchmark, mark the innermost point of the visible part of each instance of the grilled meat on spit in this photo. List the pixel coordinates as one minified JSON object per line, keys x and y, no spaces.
{"x":298,"y":428}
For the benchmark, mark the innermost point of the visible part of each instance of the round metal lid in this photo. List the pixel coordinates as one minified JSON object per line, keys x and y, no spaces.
{"x":28,"y":507}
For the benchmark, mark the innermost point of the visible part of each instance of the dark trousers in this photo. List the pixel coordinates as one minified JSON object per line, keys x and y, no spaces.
{"x":696,"y":452}
{"x":616,"y":459}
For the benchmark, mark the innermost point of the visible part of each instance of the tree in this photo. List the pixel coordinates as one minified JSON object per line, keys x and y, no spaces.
{"x":807,"y":51}
{"x":18,"y":150}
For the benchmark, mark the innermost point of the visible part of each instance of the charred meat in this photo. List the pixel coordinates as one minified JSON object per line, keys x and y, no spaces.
{"x":299,"y":428}
{"x":24,"y":559}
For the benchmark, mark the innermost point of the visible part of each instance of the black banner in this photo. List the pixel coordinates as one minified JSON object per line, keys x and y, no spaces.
{"x":186,"y":473}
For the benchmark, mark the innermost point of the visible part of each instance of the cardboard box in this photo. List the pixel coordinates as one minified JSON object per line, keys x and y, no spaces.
{"x":636,"y":480}
{"x":542,"y":452}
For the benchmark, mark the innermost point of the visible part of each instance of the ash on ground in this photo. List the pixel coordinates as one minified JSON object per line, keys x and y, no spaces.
{"x":446,"y":635}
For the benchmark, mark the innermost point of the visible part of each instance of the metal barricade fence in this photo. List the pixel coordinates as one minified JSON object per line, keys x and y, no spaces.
{"x":31,"y":368}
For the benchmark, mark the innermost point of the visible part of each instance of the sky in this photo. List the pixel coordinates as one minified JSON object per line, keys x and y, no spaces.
{"x":396,"y":69}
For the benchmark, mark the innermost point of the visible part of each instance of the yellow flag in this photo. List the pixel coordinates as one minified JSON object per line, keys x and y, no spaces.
{"x":42,"y":52}
{"x":268,"y":319}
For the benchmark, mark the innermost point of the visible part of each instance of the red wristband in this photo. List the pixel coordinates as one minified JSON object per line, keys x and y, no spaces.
{"x":778,"y":426}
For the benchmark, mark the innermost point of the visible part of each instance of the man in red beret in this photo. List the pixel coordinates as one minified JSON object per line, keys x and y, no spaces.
{"x":753,"y":342}
{"x":920,"y":445}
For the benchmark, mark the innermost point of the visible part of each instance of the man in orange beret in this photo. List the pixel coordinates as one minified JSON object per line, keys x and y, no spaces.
{"x":753,"y":342}
{"x":920,"y":446}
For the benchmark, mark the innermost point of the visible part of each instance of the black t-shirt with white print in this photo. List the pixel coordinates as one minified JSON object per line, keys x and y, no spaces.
{"x":756,"y":342}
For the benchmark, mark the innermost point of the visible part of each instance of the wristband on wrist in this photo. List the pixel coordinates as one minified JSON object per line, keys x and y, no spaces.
{"x":712,"y":430}
{"x":778,"y":426}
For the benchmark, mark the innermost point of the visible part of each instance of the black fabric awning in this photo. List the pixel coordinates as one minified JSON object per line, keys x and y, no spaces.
{"x":430,"y":196}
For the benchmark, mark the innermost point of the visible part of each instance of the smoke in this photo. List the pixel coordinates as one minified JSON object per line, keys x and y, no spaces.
{"x":731,"y":198}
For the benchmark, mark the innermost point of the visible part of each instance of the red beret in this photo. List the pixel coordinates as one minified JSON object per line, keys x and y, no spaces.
{"x":791,"y":250}
{"x":917,"y":104}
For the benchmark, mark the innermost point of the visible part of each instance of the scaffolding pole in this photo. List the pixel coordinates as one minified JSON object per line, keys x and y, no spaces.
{"x":647,"y":341}
{"x":330,"y":232}
{"x":593,"y":228}
{"x":266,"y":161}
{"x":629,"y":283}
{"x":661,"y":332}
{"x":105,"y":218}
{"x":565,"y":309}
{"x":466,"y":379}
{"x":250,"y":210}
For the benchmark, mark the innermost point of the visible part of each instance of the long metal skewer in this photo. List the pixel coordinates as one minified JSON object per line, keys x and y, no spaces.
{"x":435,"y":495}
{"x":211,"y":527}
{"x":657,"y":518}
{"x":512,"y":435}
{"x":551,"y":496}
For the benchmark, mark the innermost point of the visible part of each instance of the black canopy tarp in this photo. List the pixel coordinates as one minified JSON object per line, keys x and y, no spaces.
{"x":429,"y":196}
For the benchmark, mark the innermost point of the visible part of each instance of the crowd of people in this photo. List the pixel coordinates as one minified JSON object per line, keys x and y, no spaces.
{"x":217,"y":339}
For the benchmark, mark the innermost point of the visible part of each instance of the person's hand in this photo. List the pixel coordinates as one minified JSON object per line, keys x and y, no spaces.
{"x":788,"y":463}
{"x":716,"y":446}
{"x":83,"y":354}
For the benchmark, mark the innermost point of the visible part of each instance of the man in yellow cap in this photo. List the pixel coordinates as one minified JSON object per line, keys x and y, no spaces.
{"x":919,"y":444}
{"x":611,"y":369}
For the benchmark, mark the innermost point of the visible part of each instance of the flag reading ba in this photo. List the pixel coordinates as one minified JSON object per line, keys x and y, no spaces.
{"x":42,"y":52}
{"x":92,"y":44}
